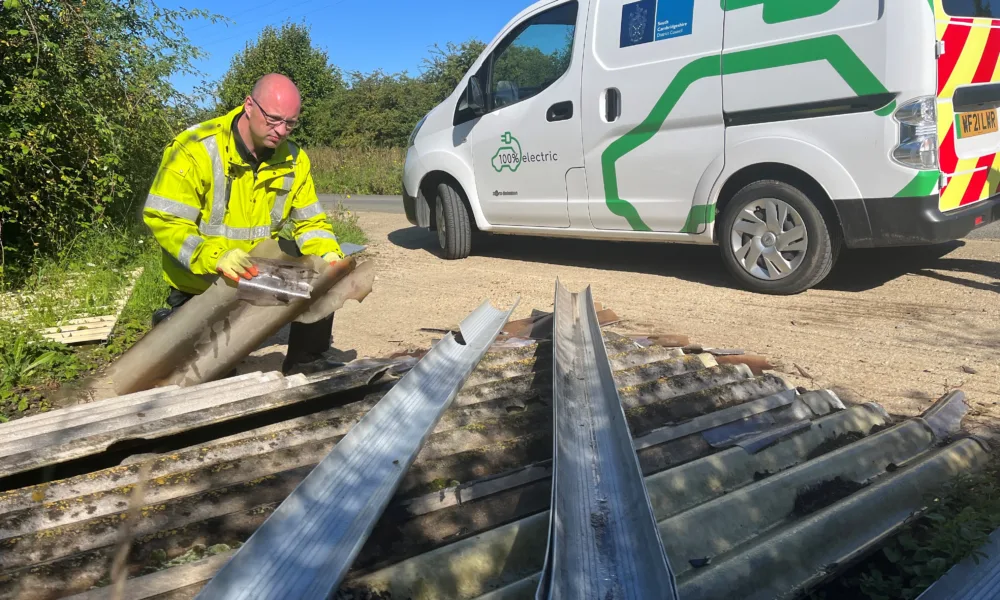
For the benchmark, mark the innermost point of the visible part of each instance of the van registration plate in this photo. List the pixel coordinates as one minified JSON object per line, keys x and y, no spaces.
{"x":971,"y":124}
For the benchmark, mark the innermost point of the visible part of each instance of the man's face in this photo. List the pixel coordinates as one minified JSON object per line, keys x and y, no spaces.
{"x":271,"y":122}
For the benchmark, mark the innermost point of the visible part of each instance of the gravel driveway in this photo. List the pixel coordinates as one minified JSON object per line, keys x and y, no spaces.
{"x":897,"y":327}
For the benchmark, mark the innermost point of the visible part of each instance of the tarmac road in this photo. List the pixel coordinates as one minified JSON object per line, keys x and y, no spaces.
{"x":394,"y":205}
{"x":380,"y":204}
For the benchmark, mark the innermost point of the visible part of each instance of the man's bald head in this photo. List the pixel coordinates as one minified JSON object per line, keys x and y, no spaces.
{"x":274,"y":97}
{"x":279,"y":89}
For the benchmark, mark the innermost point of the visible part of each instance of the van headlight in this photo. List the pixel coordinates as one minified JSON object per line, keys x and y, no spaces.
{"x":413,"y":135}
{"x":918,"y":137}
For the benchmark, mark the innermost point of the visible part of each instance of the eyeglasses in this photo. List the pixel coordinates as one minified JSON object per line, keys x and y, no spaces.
{"x":275,"y":121}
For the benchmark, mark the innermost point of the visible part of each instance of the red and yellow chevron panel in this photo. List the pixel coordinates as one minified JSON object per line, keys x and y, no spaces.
{"x":972,"y":49}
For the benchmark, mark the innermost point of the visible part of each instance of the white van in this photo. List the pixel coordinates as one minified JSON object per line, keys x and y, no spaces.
{"x":780,"y":130}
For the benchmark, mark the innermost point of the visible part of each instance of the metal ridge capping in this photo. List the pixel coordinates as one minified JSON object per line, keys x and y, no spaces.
{"x":304,"y":549}
{"x":603,"y":541}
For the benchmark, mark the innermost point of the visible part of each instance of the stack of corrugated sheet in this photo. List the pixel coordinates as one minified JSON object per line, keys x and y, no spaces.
{"x":758,"y":489}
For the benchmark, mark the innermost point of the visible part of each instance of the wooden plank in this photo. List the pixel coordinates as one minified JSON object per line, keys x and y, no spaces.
{"x":98,"y":335}
{"x":83,"y":323}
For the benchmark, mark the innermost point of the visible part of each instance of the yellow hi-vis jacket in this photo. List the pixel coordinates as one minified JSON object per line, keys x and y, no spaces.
{"x":206,"y":200}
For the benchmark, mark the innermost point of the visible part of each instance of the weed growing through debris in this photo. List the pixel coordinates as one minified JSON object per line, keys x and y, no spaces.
{"x":957,"y":522}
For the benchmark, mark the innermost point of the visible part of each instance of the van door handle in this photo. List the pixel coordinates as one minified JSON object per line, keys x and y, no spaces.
{"x":560,"y":111}
{"x":612,"y":104}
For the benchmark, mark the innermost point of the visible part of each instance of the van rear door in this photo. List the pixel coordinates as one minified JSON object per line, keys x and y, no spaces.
{"x":968,"y":100}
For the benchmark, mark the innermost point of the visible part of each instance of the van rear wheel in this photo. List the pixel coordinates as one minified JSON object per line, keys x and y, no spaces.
{"x":774,"y":240}
{"x":454,"y":230}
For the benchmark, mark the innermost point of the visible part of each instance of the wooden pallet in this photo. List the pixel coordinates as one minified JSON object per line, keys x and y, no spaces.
{"x":91,"y":329}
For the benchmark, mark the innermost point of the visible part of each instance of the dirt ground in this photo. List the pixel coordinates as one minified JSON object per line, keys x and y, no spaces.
{"x":899,"y":327}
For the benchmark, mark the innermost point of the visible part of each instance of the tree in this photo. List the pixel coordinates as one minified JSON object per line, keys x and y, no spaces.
{"x":445,"y":68}
{"x":377,"y":110}
{"x":86,"y":108}
{"x":288,"y":51}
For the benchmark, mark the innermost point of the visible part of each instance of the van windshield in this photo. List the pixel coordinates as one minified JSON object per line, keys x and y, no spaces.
{"x":971,"y":8}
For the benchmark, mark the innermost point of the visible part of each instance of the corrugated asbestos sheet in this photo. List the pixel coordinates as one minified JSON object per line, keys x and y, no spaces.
{"x":305,"y":548}
{"x":975,"y":578}
{"x":758,"y":489}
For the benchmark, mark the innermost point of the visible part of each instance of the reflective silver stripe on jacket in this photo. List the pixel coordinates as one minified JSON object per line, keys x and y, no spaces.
{"x":236,"y":233}
{"x":190,"y":244}
{"x":307,"y":212}
{"x":278,"y":211}
{"x":305,"y":237}
{"x":172,"y":207}
{"x":220,"y":184}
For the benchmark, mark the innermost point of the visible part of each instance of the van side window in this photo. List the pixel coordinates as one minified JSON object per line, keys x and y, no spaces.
{"x":970,"y":8}
{"x":533,"y":56}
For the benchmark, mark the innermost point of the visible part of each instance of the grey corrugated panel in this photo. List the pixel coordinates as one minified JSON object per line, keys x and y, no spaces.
{"x":306,"y":546}
{"x":156,"y":585}
{"x":968,"y":580}
{"x":945,"y":417}
{"x":778,"y":564}
{"x":725,"y":522}
{"x":717,"y":418}
{"x":733,"y":433}
{"x":13,"y":429}
{"x":603,"y":541}
{"x":104,"y":410}
{"x":96,"y":425}
{"x":755,"y":443}
{"x":503,"y":556}
{"x":228,"y":476}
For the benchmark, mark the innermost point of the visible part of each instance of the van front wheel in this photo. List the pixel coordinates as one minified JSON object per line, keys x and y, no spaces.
{"x":774,"y":240}
{"x":454,"y":231}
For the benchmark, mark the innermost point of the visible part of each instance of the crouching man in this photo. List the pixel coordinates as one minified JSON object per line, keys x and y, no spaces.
{"x":224,"y":186}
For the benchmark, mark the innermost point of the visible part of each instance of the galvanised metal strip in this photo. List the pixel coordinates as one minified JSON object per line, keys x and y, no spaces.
{"x":304,"y":549}
{"x":603,"y":539}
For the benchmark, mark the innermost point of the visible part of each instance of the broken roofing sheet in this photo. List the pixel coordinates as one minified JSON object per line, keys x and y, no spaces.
{"x":758,"y":489}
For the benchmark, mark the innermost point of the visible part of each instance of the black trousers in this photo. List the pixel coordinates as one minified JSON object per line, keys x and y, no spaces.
{"x":305,"y":341}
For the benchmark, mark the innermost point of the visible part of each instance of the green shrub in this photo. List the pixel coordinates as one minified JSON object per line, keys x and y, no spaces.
{"x":376,"y":171}
{"x":86,"y":107}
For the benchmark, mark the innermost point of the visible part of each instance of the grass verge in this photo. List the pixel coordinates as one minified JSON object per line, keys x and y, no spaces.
{"x":86,"y":280}
{"x":377,"y":171}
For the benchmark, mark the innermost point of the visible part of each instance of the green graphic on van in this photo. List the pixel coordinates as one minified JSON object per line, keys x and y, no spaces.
{"x":832,"y":49}
{"x":922,"y":184}
{"x":507,"y":156}
{"x":511,"y":156}
{"x":781,"y":11}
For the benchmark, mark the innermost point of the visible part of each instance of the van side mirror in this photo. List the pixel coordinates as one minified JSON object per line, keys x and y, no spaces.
{"x":475,"y":101}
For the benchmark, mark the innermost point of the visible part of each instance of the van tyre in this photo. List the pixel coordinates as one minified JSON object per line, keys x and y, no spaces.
{"x":774,"y":240}
{"x":454,"y":229}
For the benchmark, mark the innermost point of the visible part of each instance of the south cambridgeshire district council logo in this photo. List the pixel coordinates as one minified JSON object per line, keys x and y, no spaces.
{"x":508,"y":155}
{"x":637,"y":24}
